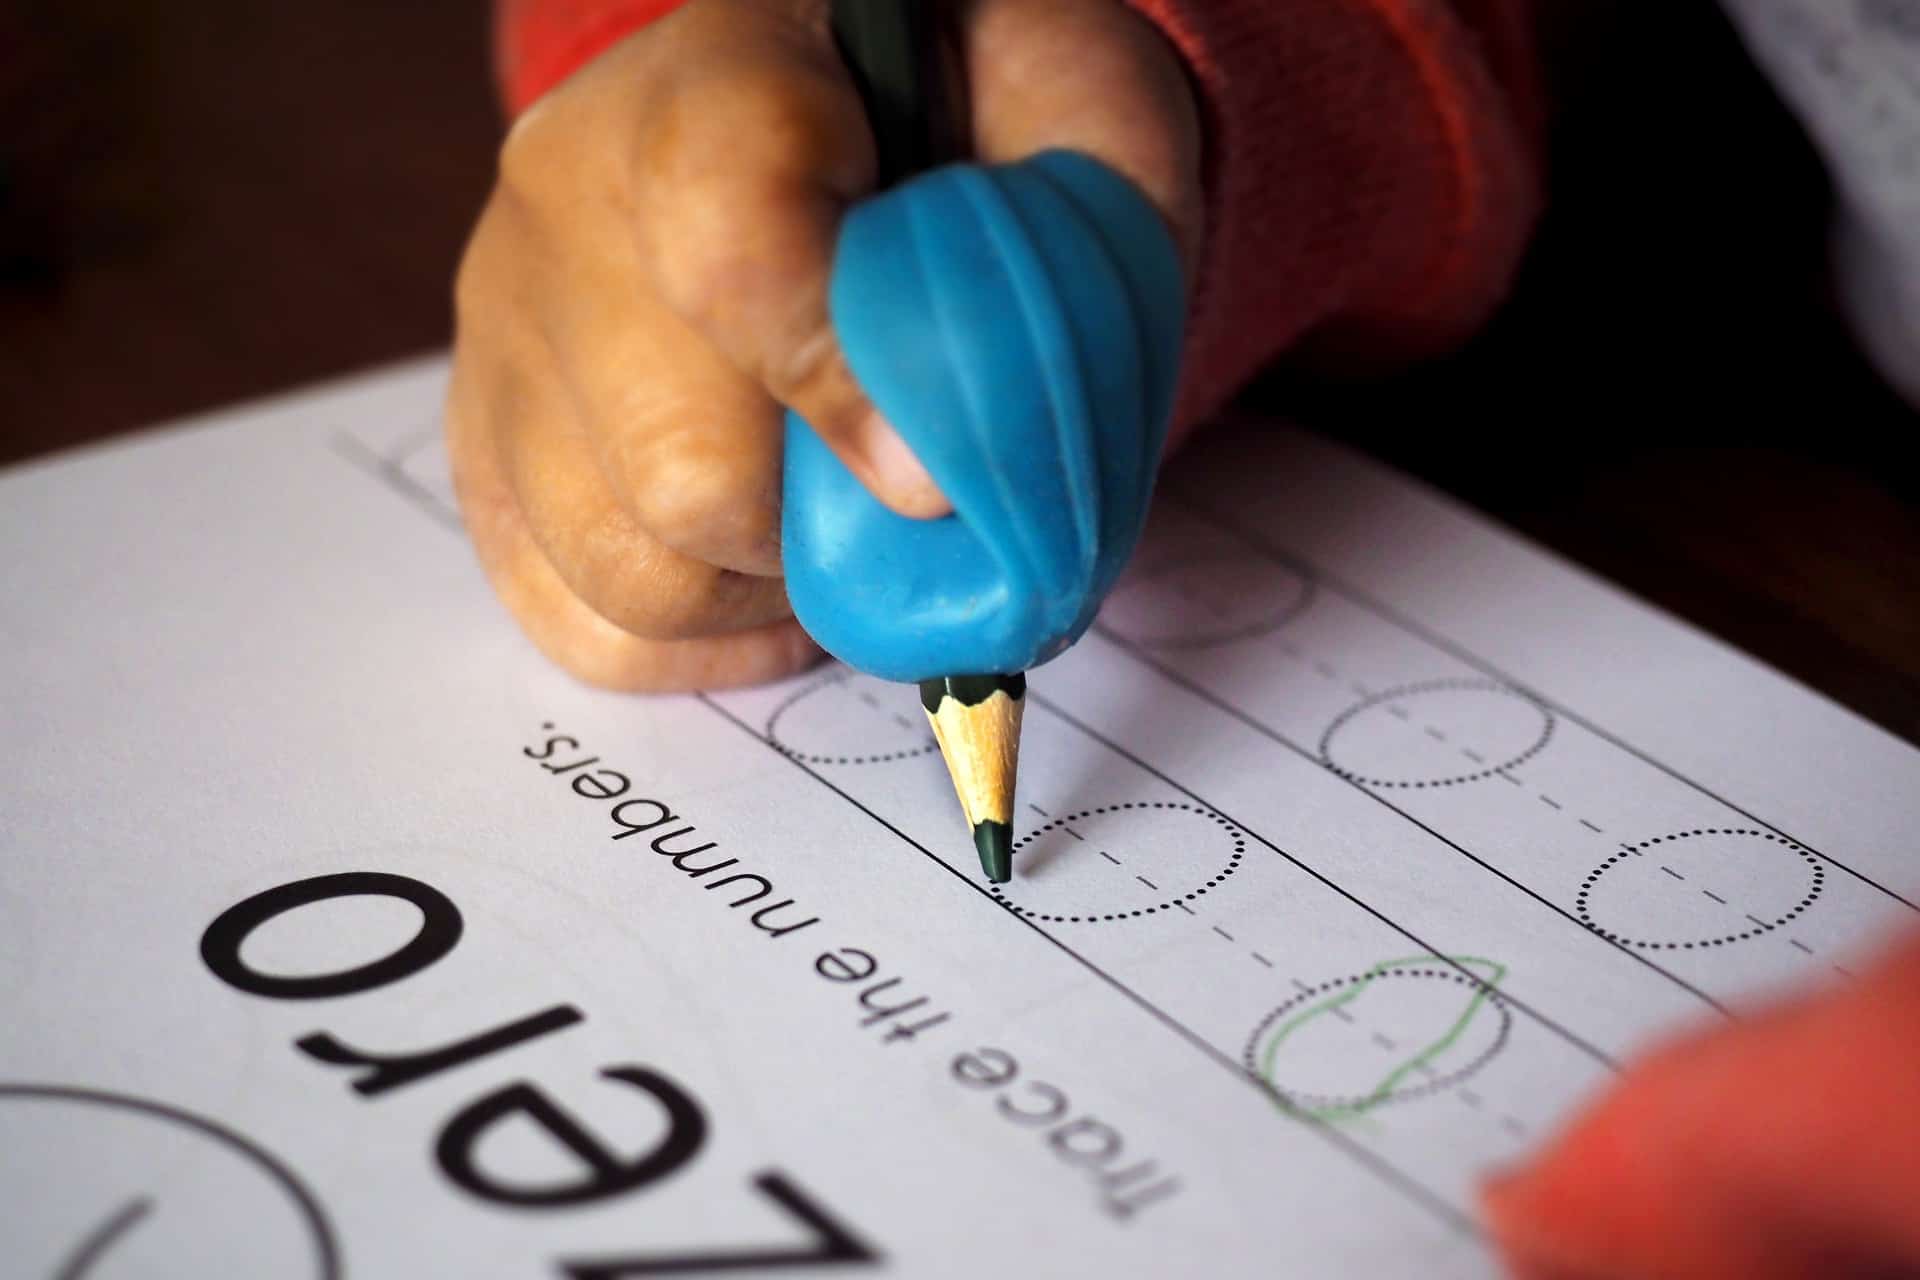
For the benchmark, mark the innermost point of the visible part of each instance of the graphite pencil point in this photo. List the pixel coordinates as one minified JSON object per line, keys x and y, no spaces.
{"x":994,"y":840}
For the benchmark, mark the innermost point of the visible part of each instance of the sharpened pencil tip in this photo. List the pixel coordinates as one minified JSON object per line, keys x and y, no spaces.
{"x":994,"y":840}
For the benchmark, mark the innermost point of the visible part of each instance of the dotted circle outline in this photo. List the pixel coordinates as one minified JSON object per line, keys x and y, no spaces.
{"x":1580,"y":900}
{"x":1410,"y":1094}
{"x":1430,"y":686}
{"x":809,"y":757}
{"x":1309,"y":590}
{"x":1233,"y":863}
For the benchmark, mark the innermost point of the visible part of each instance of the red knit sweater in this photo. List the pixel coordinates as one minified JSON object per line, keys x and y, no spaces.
{"x":1372,"y":166}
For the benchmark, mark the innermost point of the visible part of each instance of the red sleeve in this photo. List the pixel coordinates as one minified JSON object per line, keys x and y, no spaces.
{"x":1783,"y":1146}
{"x":1372,"y":166}
{"x":539,"y":43}
{"x":1372,"y":175}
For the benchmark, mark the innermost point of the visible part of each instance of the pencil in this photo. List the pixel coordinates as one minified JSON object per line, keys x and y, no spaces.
{"x":908,"y":77}
{"x":976,"y":721}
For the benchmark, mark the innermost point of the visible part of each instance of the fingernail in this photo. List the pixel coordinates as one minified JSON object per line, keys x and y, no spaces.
{"x":898,"y":477}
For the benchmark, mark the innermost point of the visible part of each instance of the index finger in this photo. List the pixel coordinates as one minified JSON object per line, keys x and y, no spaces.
{"x":760,"y":145}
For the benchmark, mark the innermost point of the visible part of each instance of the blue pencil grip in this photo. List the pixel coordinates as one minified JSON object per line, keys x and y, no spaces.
{"x":1020,"y":326}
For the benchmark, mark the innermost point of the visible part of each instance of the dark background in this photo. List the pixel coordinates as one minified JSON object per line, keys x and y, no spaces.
{"x":209,"y":201}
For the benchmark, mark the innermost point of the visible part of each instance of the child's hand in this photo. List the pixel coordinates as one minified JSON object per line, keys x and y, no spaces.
{"x":647,"y":288}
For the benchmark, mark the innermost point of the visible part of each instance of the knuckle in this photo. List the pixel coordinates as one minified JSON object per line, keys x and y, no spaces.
{"x":470,"y":286}
{"x":743,"y":534}
{"x":699,"y":273}
{"x":492,"y":264}
{"x":723,"y":245}
{"x":682,"y":489}
{"x":525,"y":153}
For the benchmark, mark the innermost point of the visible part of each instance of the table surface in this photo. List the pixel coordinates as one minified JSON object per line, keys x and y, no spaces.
{"x":208,"y":202}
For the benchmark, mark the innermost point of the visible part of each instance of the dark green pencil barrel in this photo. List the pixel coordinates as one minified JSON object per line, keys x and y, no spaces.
{"x":905,"y":64}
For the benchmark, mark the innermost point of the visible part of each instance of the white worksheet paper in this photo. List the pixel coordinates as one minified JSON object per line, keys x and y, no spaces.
{"x":1360,"y":844}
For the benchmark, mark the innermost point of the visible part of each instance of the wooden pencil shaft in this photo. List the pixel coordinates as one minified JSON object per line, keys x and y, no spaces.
{"x":981,"y":745}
